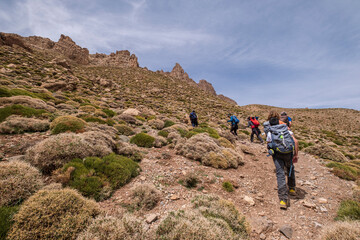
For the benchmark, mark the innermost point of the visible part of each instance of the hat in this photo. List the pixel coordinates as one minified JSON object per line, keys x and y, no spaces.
{"x":283,"y":114}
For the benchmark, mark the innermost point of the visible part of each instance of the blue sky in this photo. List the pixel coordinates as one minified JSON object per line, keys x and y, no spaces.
{"x":283,"y":53}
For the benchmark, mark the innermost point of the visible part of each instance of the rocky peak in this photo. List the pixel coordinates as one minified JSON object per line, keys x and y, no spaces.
{"x":117,"y":59}
{"x":68,"y":48}
{"x":207,"y":87}
{"x":179,"y":73}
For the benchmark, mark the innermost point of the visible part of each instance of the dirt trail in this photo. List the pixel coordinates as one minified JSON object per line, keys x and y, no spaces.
{"x":256,"y":179}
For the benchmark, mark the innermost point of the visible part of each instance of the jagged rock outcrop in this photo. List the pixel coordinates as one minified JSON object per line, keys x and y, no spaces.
{"x":227,"y":99}
{"x":207,"y":87}
{"x":12,"y":40}
{"x":68,"y":48}
{"x":179,"y":73}
{"x":117,"y":59}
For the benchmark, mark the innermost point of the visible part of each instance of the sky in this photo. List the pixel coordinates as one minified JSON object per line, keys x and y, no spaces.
{"x":283,"y":53}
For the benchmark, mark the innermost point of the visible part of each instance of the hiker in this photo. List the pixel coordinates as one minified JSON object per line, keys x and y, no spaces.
{"x":254,"y":124}
{"x":281,"y":147}
{"x":234,"y":124}
{"x":193,"y":119}
{"x":286,"y":119}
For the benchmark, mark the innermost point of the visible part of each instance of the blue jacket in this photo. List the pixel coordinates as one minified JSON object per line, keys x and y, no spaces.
{"x":232,"y":120}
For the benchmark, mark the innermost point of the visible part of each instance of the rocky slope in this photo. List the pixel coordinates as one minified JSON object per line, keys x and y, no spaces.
{"x":59,"y":103}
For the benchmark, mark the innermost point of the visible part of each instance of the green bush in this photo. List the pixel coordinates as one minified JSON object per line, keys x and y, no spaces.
{"x":168,"y":123}
{"x":348,"y":210}
{"x":143,"y":140}
{"x":163,"y":133}
{"x":98,"y":178}
{"x":227,"y":186}
{"x":303,"y":144}
{"x":6,"y":219}
{"x":109,"y":112}
{"x":90,"y":118}
{"x":212,"y":132}
{"x":182,"y":132}
{"x":20,"y":110}
{"x":67,"y":123}
{"x":124,"y":130}
{"x":344,"y":171}
{"x":4,"y":92}
{"x":140,"y":118}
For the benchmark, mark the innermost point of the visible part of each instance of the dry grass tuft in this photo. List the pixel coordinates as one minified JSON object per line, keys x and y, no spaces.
{"x":124,"y":130}
{"x":156,"y":123}
{"x":210,"y":218}
{"x":108,"y":227}
{"x":203,"y":148}
{"x":55,"y":214}
{"x":145,"y":196}
{"x":16,"y":124}
{"x":54,"y":152}
{"x":18,"y":181}
{"x":342,"y":231}
{"x":26,"y":101}
{"x":326,"y":152}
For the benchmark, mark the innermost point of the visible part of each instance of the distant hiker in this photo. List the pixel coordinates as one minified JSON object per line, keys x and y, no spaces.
{"x":234,"y":124}
{"x":193,"y":119}
{"x":285,"y":118}
{"x":254,"y":124}
{"x":281,"y":147}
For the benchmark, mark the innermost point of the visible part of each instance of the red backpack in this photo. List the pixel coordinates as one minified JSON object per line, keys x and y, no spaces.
{"x":255,"y":122}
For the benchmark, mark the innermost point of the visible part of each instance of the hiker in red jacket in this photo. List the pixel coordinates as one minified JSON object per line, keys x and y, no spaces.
{"x":254,"y":124}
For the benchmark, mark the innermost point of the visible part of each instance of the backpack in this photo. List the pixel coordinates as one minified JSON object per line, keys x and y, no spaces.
{"x":236,"y":120}
{"x":255,"y":122}
{"x":281,"y":140}
{"x":193,"y":115}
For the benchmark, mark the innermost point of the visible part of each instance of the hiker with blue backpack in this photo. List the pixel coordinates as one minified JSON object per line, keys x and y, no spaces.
{"x":234,"y":124}
{"x":281,"y":147}
{"x":193,"y":119}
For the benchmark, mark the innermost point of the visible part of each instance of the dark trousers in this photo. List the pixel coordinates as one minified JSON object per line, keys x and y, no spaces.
{"x":194,"y":122}
{"x":283,"y":164}
{"x":255,"y":131}
{"x":234,"y":128}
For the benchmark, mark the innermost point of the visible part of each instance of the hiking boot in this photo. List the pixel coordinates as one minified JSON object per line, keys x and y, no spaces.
{"x":283,"y":204}
{"x":292,"y":191}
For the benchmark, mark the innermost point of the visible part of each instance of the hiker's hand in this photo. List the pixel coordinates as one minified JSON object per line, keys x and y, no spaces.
{"x":295,"y":159}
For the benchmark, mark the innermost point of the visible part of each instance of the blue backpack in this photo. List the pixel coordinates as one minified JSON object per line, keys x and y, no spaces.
{"x":236,"y":119}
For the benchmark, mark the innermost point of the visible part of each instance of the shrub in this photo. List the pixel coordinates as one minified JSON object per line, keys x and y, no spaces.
{"x":57,"y":150}
{"x":109,"y":113}
{"x":5,"y":92}
{"x":342,"y":231}
{"x":124,"y":130}
{"x":156,"y":123}
{"x":145,"y":196}
{"x":163,"y":133}
{"x":140,"y":118}
{"x":55,"y":214}
{"x":143,"y":140}
{"x":208,"y":151}
{"x":6,"y":219}
{"x":225,"y":143}
{"x":17,"y":124}
{"x":98,"y":178}
{"x":303,"y":144}
{"x":87,"y":108}
{"x":130,"y":151}
{"x":190,"y":180}
{"x":210,"y":218}
{"x":168,"y":123}
{"x":27,"y":102}
{"x":326,"y":152}
{"x":90,"y":118}
{"x":19,"y":110}
{"x":349,"y":210}
{"x":126,"y":118}
{"x":227,"y":186}
{"x":107,"y":227}
{"x":67,"y":124}
{"x":343,"y":171}
{"x":212,"y":132}
{"x":18,"y":181}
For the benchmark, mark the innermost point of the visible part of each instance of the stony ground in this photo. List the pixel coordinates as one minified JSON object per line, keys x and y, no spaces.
{"x":319,"y":191}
